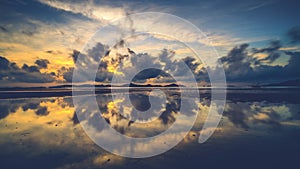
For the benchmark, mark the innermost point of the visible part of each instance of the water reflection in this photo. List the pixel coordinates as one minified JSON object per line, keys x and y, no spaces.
{"x":152,"y":121}
{"x":45,"y":132}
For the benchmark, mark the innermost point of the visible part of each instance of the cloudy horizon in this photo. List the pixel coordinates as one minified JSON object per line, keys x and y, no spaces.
{"x":256,"y":44}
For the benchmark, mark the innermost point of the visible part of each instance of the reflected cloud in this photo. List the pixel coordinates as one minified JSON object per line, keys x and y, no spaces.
{"x":249,"y":115}
{"x":49,"y":127}
{"x":42,"y":111}
{"x":118,"y":113}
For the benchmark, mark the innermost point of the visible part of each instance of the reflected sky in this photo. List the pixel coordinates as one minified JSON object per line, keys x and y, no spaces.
{"x":45,"y":132}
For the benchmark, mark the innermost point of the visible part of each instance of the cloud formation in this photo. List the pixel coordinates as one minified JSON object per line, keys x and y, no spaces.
{"x":42,"y":63}
{"x":294,"y":34}
{"x":10,"y":72}
{"x":88,"y":9}
{"x":241,"y":65}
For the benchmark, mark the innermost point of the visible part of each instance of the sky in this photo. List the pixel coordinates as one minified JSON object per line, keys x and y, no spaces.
{"x":257,"y":41}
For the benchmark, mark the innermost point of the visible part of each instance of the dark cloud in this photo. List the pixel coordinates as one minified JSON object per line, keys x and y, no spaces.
{"x":92,"y":57}
{"x":271,"y":58}
{"x":11,"y":106}
{"x":140,"y":101}
{"x":166,"y":57}
{"x":272,"y":50}
{"x":237,"y":114}
{"x":294,"y":34}
{"x":191,"y":63}
{"x":102,"y":74}
{"x":74,"y":55}
{"x":168,"y":116}
{"x":28,"y":33}
{"x":292,"y":69}
{"x":236,"y":63}
{"x":6,"y":108}
{"x":30,"y":68}
{"x":53,"y":52}
{"x":149,"y":73}
{"x":31,"y":106}
{"x":2,"y":28}
{"x":165,"y":62}
{"x":42,"y":63}
{"x":42,"y":111}
{"x":246,"y":115}
{"x":4,"y":63}
{"x":67,"y":73}
{"x":10,"y":72}
{"x":273,"y":47}
{"x":98,"y":52}
{"x":52,"y":73}
{"x":240,"y":64}
{"x":74,"y":119}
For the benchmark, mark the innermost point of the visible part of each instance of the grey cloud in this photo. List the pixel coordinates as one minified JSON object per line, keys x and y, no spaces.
{"x":67,"y":74}
{"x":42,"y":111}
{"x":74,"y":119}
{"x":271,"y":58}
{"x":92,"y":57}
{"x":292,"y":69}
{"x":30,"y":68}
{"x":236,"y":63}
{"x":9,"y":71}
{"x":166,"y":57}
{"x":191,"y":63}
{"x":27,"y":68}
{"x":245,"y":115}
{"x":294,"y":34}
{"x":4,"y":63}
{"x":272,"y":50}
{"x":273,"y":46}
{"x":6,"y":108}
{"x":102,"y":74}
{"x":236,"y":114}
{"x":11,"y":106}
{"x":241,"y":66}
{"x":148,"y":73}
{"x":98,"y":51}
{"x":31,"y":106}
{"x":28,"y":33}
{"x":165,"y":61}
{"x":2,"y":28}
{"x":74,"y":55}
{"x":42,"y":63}
{"x":53,"y":52}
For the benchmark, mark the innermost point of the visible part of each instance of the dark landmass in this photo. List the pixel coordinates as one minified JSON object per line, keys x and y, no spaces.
{"x":287,"y":90}
{"x":84,"y":85}
{"x":290,"y":83}
{"x":69,"y":86}
{"x":66,"y":90}
{"x":152,"y":85}
{"x":125,"y":85}
{"x":295,"y":83}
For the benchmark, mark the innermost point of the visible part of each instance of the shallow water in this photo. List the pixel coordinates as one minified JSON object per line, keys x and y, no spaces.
{"x":259,"y":129}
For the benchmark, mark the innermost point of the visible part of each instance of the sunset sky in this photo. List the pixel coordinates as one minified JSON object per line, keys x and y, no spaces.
{"x":258,"y":41}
